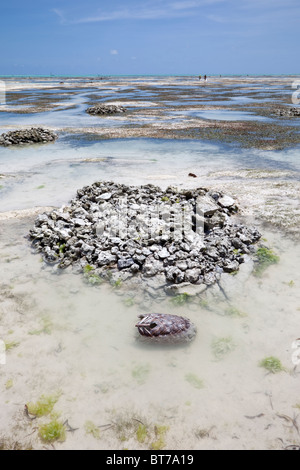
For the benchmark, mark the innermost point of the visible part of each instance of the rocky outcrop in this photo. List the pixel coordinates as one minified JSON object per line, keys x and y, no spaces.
{"x":164,"y":238}
{"x":291,"y":112}
{"x":35,"y":135}
{"x":105,"y":109}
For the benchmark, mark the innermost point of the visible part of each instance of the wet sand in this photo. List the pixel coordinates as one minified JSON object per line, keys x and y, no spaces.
{"x":230,"y":109}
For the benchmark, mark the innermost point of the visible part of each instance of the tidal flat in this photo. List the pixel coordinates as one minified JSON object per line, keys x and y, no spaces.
{"x":74,"y":345}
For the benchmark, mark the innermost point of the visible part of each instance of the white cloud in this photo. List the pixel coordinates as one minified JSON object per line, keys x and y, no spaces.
{"x":189,"y":4}
{"x":114,"y":52}
{"x":225,"y":11}
{"x":147,"y":11}
{"x":60,"y":15}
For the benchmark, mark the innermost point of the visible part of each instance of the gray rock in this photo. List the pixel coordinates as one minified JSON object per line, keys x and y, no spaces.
{"x":64,"y":234}
{"x":163,"y":253}
{"x":191,"y":258}
{"x":209,"y":278}
{"x":41,"y":219}
{"x":185,"y":288}
{"x":35,"y":135}
{"x":182,"y":265}
{"x":152,"y":267}
{"x":134,"y":268}
{"x":79,"y":222}
{"x":139,"y":259}
{"x":216,"y":220}
{"x":105,"y":258}
{"x":213,"y":253}
{"x":192,"y":275}
{"x":206,"y":205}
{"x":174,"y":275}
{"x":105,"y":196}
{"x":86,"y":249}
{"x":291,"y":112}
{"x":105,"y":109}
{"x":124,"y":263}
{"x":226,"y":201}
{"x":231,"y":266}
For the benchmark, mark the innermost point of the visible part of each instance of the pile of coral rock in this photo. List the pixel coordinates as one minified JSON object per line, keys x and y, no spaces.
{"x":34,"y":135}
{"x":121,"y":232}
{"x":291,"y":112}
{"x":105,"y":109}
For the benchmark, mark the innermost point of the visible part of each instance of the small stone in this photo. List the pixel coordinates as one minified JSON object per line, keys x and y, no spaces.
{"x":192,"y":275}
{"x":230,"y":266}
{"x":105,"y":196}
{"x":134,"y":268}
{"x":226,"y":201}
{"x":146,"y":252}
{"x":124,"y":263}
{"x":209,"y":278}
{"x":206,"y":205}
{"x":163,"y":253}
{"x":174,"y":274}
{"x":151,"y":268}
{"x":79,"y":222}
{"x":182,"y":265}
{"x":135,"y":207}
{"x":106,"y":258}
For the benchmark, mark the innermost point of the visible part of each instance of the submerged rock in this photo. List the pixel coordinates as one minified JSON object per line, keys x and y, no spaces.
{"x":166,"y":328}
{"x":35,"y":135}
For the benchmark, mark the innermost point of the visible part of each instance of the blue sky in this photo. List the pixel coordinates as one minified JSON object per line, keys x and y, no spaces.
{"x":149,"y":37}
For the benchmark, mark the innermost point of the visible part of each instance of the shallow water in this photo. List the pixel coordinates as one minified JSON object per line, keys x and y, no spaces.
{"x":69,"y":336}
{"x":81,"y":341}
{"x":50,"y":174}
{"x":222,"y":115}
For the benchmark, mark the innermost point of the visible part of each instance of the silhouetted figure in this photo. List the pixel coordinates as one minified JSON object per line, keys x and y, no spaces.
{"x":205,"y":78}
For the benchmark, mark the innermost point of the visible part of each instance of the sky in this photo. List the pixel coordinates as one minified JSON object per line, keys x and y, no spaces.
{"x":149,"y":37}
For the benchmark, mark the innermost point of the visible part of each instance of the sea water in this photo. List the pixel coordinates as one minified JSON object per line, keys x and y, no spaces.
{"x":79,"y":341}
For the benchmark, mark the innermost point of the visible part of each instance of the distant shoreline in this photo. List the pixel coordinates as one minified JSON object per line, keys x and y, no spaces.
{"x":152,"y":75}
